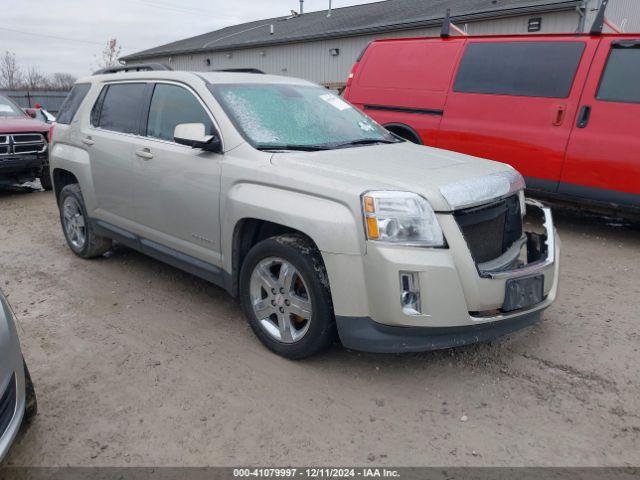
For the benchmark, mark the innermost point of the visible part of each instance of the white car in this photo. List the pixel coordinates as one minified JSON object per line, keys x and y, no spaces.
{"x":17,"y":395}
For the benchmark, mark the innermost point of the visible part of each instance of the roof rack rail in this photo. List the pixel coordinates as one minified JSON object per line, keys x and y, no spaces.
{"x":242,"y":70}
{"x":139,"y":67}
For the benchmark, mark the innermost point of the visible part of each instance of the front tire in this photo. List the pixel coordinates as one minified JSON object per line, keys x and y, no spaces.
{"x":77,"y":229}
{"x":284,"y":292}
{"x":45,"y":179}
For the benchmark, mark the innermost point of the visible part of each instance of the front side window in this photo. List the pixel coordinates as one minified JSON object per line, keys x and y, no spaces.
{"x":296,"y":116}
{"x":172,"y":105}
{"x":120,"y":109}
{"x":9,"y":109}
{"x":530,"y":69}
{"x":72,"y":103}
{"x":621,"y":79}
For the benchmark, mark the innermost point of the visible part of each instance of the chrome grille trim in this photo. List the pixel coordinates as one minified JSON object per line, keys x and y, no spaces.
{"x":20,"y":143}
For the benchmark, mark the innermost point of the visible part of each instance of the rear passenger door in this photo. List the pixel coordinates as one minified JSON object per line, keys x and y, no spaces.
{"x":514,"y":101}
{"x":176,"y":197}
{"x":603,"y":158}
{"x":114,"y":123}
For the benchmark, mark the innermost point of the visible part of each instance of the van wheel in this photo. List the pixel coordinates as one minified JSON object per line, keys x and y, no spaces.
{"x":284,"y":292}
{"x":31,"y":408}
{"x":77,"y":229}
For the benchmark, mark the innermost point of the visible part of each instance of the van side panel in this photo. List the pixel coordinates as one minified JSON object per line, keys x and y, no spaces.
{"x":405,"y":82}
{"x":524,"y":128}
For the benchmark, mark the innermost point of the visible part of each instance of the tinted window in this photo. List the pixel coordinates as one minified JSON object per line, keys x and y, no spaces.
{"x":172,"y":105}
{"x":531,"y":69}
{"x":621,"y":78}
{"x":72,"y":103}
{"x":120,"y":110}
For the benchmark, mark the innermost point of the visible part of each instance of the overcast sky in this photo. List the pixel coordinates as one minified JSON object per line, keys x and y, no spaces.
{"x":68,"y":35}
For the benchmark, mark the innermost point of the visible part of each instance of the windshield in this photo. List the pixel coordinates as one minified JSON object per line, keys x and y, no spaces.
{"x":9,"y":109}
{"x":289,"y":117}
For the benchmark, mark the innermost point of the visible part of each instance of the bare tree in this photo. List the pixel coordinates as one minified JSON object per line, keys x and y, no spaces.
{"x":35,"y":79}
{"x":10,"y":73}
{"x":61,"y":81}
{"x":109,"y":55}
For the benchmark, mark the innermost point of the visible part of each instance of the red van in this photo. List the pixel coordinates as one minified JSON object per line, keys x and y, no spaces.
{"x":562,"y":109}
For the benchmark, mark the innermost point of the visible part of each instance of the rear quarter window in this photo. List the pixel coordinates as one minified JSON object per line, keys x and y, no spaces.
{"x":72,"y":103}
{"x":621,"y":78}
{"x":530,"y":69}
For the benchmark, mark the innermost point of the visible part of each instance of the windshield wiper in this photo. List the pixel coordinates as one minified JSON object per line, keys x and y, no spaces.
{"x":301,"y":148}
{"x":364,"y":141}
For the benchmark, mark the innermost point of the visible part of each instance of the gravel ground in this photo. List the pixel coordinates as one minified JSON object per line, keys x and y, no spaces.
{"x":137,"y":363}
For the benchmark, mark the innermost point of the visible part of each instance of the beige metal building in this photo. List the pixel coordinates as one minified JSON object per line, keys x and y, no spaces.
{"x":322,"y":46}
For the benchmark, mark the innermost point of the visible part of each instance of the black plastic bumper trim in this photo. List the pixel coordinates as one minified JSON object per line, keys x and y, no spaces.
{"x":367,"y":335}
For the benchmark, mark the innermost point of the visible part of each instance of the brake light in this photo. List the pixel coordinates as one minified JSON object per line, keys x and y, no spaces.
{"x":50,"y":134}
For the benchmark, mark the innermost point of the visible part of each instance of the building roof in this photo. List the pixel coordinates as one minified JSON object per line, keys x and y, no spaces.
{"x":383,"y":16}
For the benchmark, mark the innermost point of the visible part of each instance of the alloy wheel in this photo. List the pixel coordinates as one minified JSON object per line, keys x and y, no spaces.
{"x":280,"y":299}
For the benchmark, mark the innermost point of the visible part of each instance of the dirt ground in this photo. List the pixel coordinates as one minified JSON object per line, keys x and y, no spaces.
{"x":137,"y":363}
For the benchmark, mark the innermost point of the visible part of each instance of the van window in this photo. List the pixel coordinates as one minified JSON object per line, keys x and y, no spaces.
{"x":72,"y":103}
{"x":621,"y":79}
{"x":172,"y":105}
{"x":120,"y":110}
{"x":530,"y":69}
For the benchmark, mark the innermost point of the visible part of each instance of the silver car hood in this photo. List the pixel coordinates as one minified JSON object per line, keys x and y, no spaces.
{"x":449,"y":180}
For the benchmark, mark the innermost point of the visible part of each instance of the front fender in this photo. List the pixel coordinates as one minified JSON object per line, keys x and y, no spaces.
{"x":330,"y":224}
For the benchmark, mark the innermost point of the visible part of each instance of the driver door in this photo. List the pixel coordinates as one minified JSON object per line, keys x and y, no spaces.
{"x":177,"y":188}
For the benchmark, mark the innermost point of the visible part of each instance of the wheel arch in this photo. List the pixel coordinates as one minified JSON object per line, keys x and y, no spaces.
{"x":62,"y":178}
{"x":405,"y":131}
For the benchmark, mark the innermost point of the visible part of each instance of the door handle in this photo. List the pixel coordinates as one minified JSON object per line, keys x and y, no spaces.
{"x":144,"y":153}
{"x":583,"y":117}
{"x":558,"y":117}
{"x":88,"y":141}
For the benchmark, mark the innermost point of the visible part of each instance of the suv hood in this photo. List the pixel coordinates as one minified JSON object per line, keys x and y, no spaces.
{"x":449,"y":180}
{"x":22,"y":124}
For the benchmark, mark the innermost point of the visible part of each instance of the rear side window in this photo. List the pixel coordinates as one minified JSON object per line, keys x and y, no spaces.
{"x":172,"y":105}
{"x":121,"y":107}
{"x":621,"y":79}
{"x":530,"y":69}
{"x":72,"y":103}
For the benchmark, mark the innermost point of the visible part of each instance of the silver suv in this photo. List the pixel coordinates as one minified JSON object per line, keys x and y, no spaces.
{"x":320,"y":221}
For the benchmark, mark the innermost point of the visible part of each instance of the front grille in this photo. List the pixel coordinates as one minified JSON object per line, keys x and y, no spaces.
{"x":7,"y":405}
{"x":22,"y":143}
{"x":490,"y":230}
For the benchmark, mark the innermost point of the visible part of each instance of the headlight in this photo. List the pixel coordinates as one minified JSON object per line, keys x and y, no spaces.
{"x":401,"y":218}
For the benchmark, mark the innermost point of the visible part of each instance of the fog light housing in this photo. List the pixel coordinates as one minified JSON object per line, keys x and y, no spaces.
{"x":410,"y":293}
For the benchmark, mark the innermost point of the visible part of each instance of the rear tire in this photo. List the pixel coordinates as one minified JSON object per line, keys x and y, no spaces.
{"x":284,"y":292}
{"x":77,"y":229}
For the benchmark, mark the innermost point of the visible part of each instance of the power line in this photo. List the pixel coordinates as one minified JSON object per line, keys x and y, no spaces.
{"x":56,"y":37}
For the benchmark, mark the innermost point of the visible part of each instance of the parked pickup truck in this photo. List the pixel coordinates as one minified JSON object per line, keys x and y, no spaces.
{"x":23,"y":146}
{"x":321,"y":222}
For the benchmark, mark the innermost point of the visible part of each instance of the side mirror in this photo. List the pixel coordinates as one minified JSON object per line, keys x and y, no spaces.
{"x":193,"y":135}
{"x":32,"y":112}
